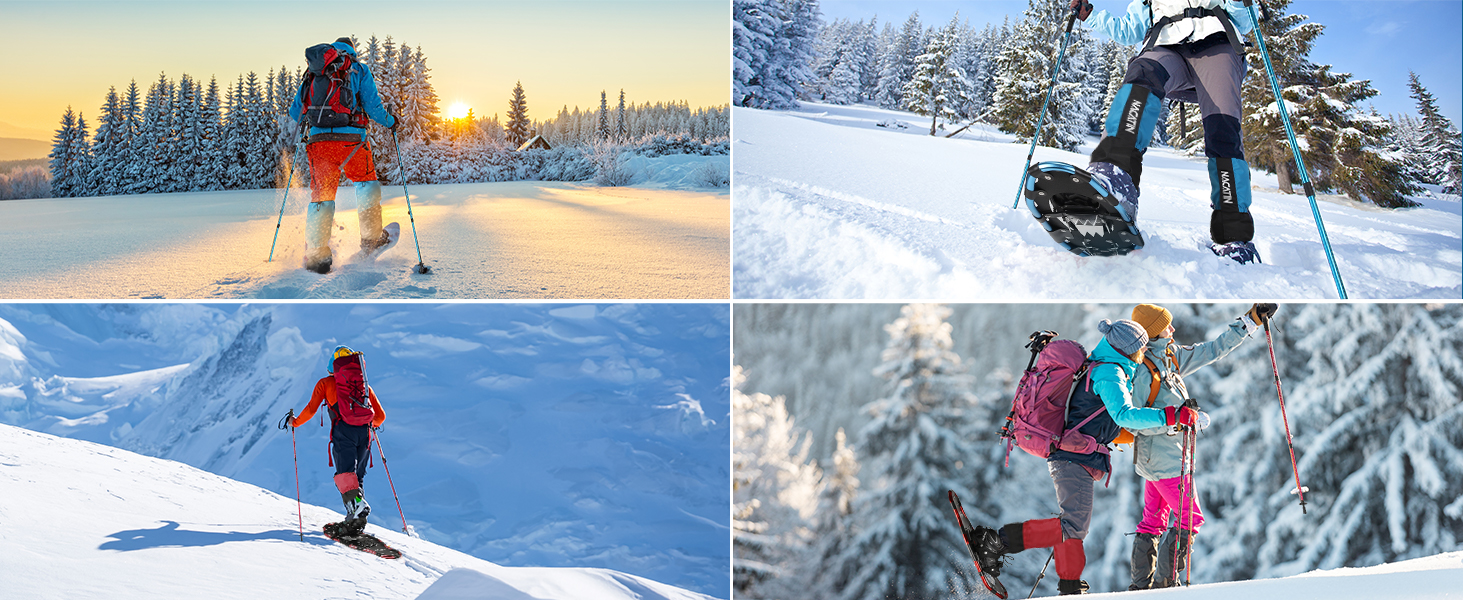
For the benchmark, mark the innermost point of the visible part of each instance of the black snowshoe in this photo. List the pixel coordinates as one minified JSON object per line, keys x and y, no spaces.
{"x":985,"y":546}
{"x":1080,"y":214}
{"x":351,"y":534}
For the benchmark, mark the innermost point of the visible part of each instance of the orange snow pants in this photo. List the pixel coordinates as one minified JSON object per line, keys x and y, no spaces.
{"x":326,"y":168}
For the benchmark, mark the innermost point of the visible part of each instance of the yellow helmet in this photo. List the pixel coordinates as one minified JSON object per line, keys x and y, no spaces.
{"x":340,"y":351}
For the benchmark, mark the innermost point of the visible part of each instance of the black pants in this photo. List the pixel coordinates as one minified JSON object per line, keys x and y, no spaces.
{"x":350,"y":447}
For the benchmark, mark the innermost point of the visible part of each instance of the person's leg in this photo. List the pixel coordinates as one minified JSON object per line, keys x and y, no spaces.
{"x":325,"y":160}
{"x":1219,"y":72}
{"x":1188,"y":521}
{"x":361,"y":169}
{"x":1074,"y":486}
{"x":1146,"y":539}
{"x":1132,"y":118}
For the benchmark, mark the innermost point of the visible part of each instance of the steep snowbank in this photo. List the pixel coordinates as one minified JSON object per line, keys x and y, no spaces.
{"x":81,"y":520}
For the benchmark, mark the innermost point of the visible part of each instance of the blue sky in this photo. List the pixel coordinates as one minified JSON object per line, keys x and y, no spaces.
{"x":1378,"y":40}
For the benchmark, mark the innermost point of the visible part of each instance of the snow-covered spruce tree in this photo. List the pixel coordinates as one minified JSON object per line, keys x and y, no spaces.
{"x":1186,"y":132}
{"x":1024,"y":71}
{"x":621,"y":129}
{"x":130,"y":152}
{"x":1406,"y":139}
{"x":421,"y":122}
{"x":108,"y":151}
{"x":826,"y":567}
{"x":517,"y":131}
{"x":1343,"y":147}
{"x":153,"y":151}
{"x":183,"y":173}
{"x":211,"y":150}
{"x":897,"y":62}
{"x":64,"y":158}
{"x":905,"y":544}
{"x":1372,"y":395}
{"x":938,"y":86}
{"x":602,"y":128}
{"x":772,"y":43}
{"x":1440,"y":144}
{"x":839,"y":63}
{"x":774,"y":493}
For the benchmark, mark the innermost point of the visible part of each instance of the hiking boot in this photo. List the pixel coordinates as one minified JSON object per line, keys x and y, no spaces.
{"x":369,"y":246}
{"x":1121,"y":185}
{"x":988,"y":548}
{"x":1241,"y":252}
{"x":356,"y":511}
{"x":1070,"y":587}
{"x":1166,"y":575}
{"x":319,"y":264}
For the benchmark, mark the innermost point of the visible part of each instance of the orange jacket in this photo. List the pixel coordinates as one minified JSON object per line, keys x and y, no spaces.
{"x":325,"y":389}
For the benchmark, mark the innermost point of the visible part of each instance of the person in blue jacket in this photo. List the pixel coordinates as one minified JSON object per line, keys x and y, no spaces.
{"x":1108,"y":387}
{"x":1192,"y":51}
{"x":337,"y":146}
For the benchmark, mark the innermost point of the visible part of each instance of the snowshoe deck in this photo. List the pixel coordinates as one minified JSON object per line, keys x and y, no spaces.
{"x":1078,"y":212}
{"x":364,"y":542}
{"x":987,"y":579}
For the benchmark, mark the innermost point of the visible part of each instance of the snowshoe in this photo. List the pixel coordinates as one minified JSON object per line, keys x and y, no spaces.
{"x":1241,"y":252}
{"x":1071,"y":587}
{"x":1079,"y":212}
{"x":985,"y":546}
{"x":364,"y":542}
{"x":321,"y":265}
{"x":389,"y":236}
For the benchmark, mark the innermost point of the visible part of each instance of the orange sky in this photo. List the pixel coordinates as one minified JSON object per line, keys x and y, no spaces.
{"x":564,"y":52}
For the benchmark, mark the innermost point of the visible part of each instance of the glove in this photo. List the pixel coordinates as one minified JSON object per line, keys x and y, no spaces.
{"x":1082,"y":7}
{"x":395,"y":120}
{"x":1180,"y":415}
{"x":1261,"y":313}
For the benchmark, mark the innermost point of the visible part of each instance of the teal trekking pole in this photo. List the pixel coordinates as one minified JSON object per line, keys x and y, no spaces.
{"x":1040,"y":116}
{"x":1306,"y":184}
{"x":290,"y":180}
{"x":402,"y":172}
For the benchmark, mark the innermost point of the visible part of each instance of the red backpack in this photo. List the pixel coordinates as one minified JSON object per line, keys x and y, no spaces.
{"x":353,"y":402}
{"x":325,"y":93}
{"x":1037,"y":422}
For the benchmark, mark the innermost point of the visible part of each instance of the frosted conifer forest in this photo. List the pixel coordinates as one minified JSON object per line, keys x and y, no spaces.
{"x":1372,"y":396}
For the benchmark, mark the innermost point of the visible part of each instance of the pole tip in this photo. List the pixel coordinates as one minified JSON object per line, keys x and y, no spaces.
{"x":421,"y":269}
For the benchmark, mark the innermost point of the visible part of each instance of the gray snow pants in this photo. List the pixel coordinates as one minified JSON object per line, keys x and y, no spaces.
{"x":1074,"y":496}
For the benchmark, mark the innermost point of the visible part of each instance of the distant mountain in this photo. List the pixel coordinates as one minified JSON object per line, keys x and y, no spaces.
{"x":16,"y":131}
{"x":21,"y":149}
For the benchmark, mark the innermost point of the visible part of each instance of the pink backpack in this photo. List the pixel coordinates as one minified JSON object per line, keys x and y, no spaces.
{"x":1038,"y":419}
{"x":353,"y":403}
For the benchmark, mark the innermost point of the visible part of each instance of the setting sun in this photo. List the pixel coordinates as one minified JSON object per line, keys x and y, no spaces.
{"x":458,"y":110}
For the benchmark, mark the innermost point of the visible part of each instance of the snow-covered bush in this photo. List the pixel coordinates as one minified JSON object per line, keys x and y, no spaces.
{"x":662,"y":145}
{"x":711,"y":173}
{"x":28,"y":182}
{"x":610,"y":165}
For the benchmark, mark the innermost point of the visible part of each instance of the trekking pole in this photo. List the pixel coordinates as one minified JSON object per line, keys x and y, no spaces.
{"x":286,"y":200}
{"x":1044,"y":572}
{"x":1306,"y":184}
{"x":402,"y":172}
{"x":1040,"y":116}
{"x":1189,"y":551}
{"x":405,"y":528}
{"x":299,"y":516}
{"x":1300,"y":491}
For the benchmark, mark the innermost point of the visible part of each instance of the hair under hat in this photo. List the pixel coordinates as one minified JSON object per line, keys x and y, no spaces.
{"x":1125,"y":336}
{"x":1153,"y":318}
{"x":346,"y":40}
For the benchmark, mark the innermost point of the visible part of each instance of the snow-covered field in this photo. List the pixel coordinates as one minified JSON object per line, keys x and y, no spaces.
{"x":827,"y":203}
{"x":661,"y":237}
{"x":1431,"y":578}
{"x":544,"y":436}
{"x":82,"y":520}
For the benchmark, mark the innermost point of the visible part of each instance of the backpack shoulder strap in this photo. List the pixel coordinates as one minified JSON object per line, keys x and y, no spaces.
{"x":1153,"y":383}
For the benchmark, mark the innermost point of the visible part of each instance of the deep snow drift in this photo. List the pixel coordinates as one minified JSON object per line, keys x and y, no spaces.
{"x":83,"y":520}
{"x":830,"y":204}
{"x":550,"y":436}
{"x":662,"y":237}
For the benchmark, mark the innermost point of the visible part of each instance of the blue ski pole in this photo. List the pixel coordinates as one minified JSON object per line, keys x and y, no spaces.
{"x":402,"y":172}
{"x":288,"y":182}
{"x":1306,"y":184}
{"x":1040,"y":116}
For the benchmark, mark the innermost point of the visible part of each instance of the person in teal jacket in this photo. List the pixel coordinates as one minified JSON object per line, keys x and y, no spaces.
{"x":1193,"y":52}
{"x":1101,"y":407}
{"x":1157,"y":453}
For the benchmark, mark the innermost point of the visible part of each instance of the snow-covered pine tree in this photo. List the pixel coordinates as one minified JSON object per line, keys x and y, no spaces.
{"x":772,"y":43}
{"x":774,"y":492}
{"x":63,"y":158}
{"x":897,"y":63}
{"x":1372,"y":395}
{"x":622,"y":133}
{"x":420,"y":98}
{"x":183,"y":173}
{"x":602,"y":129}
{"x":838,"y":63}
{"x":131,"y":153}
{"x":827,"y":568}
{"x":1024,"y":71}
{"x":1342,"y":146}
{"x":906,"y":544}
{"x":1440,"y":143}
{"x":211,"y":170}
{"x":517,"y":131}
{"x":108,"y":150}
{"x":938,"y":86}
{"x":152,"y":155}
{"x":1406,"y":139}
{"x":1186,"y":132}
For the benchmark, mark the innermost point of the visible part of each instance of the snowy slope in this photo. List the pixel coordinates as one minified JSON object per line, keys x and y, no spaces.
{"x":560,"y":435}
{"x":829,"y":204}
{"x":661,"y":238}
{"x":88,"y":521}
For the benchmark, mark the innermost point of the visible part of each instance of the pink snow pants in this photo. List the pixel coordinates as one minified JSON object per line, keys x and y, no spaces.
{"x":1161,"y":498}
